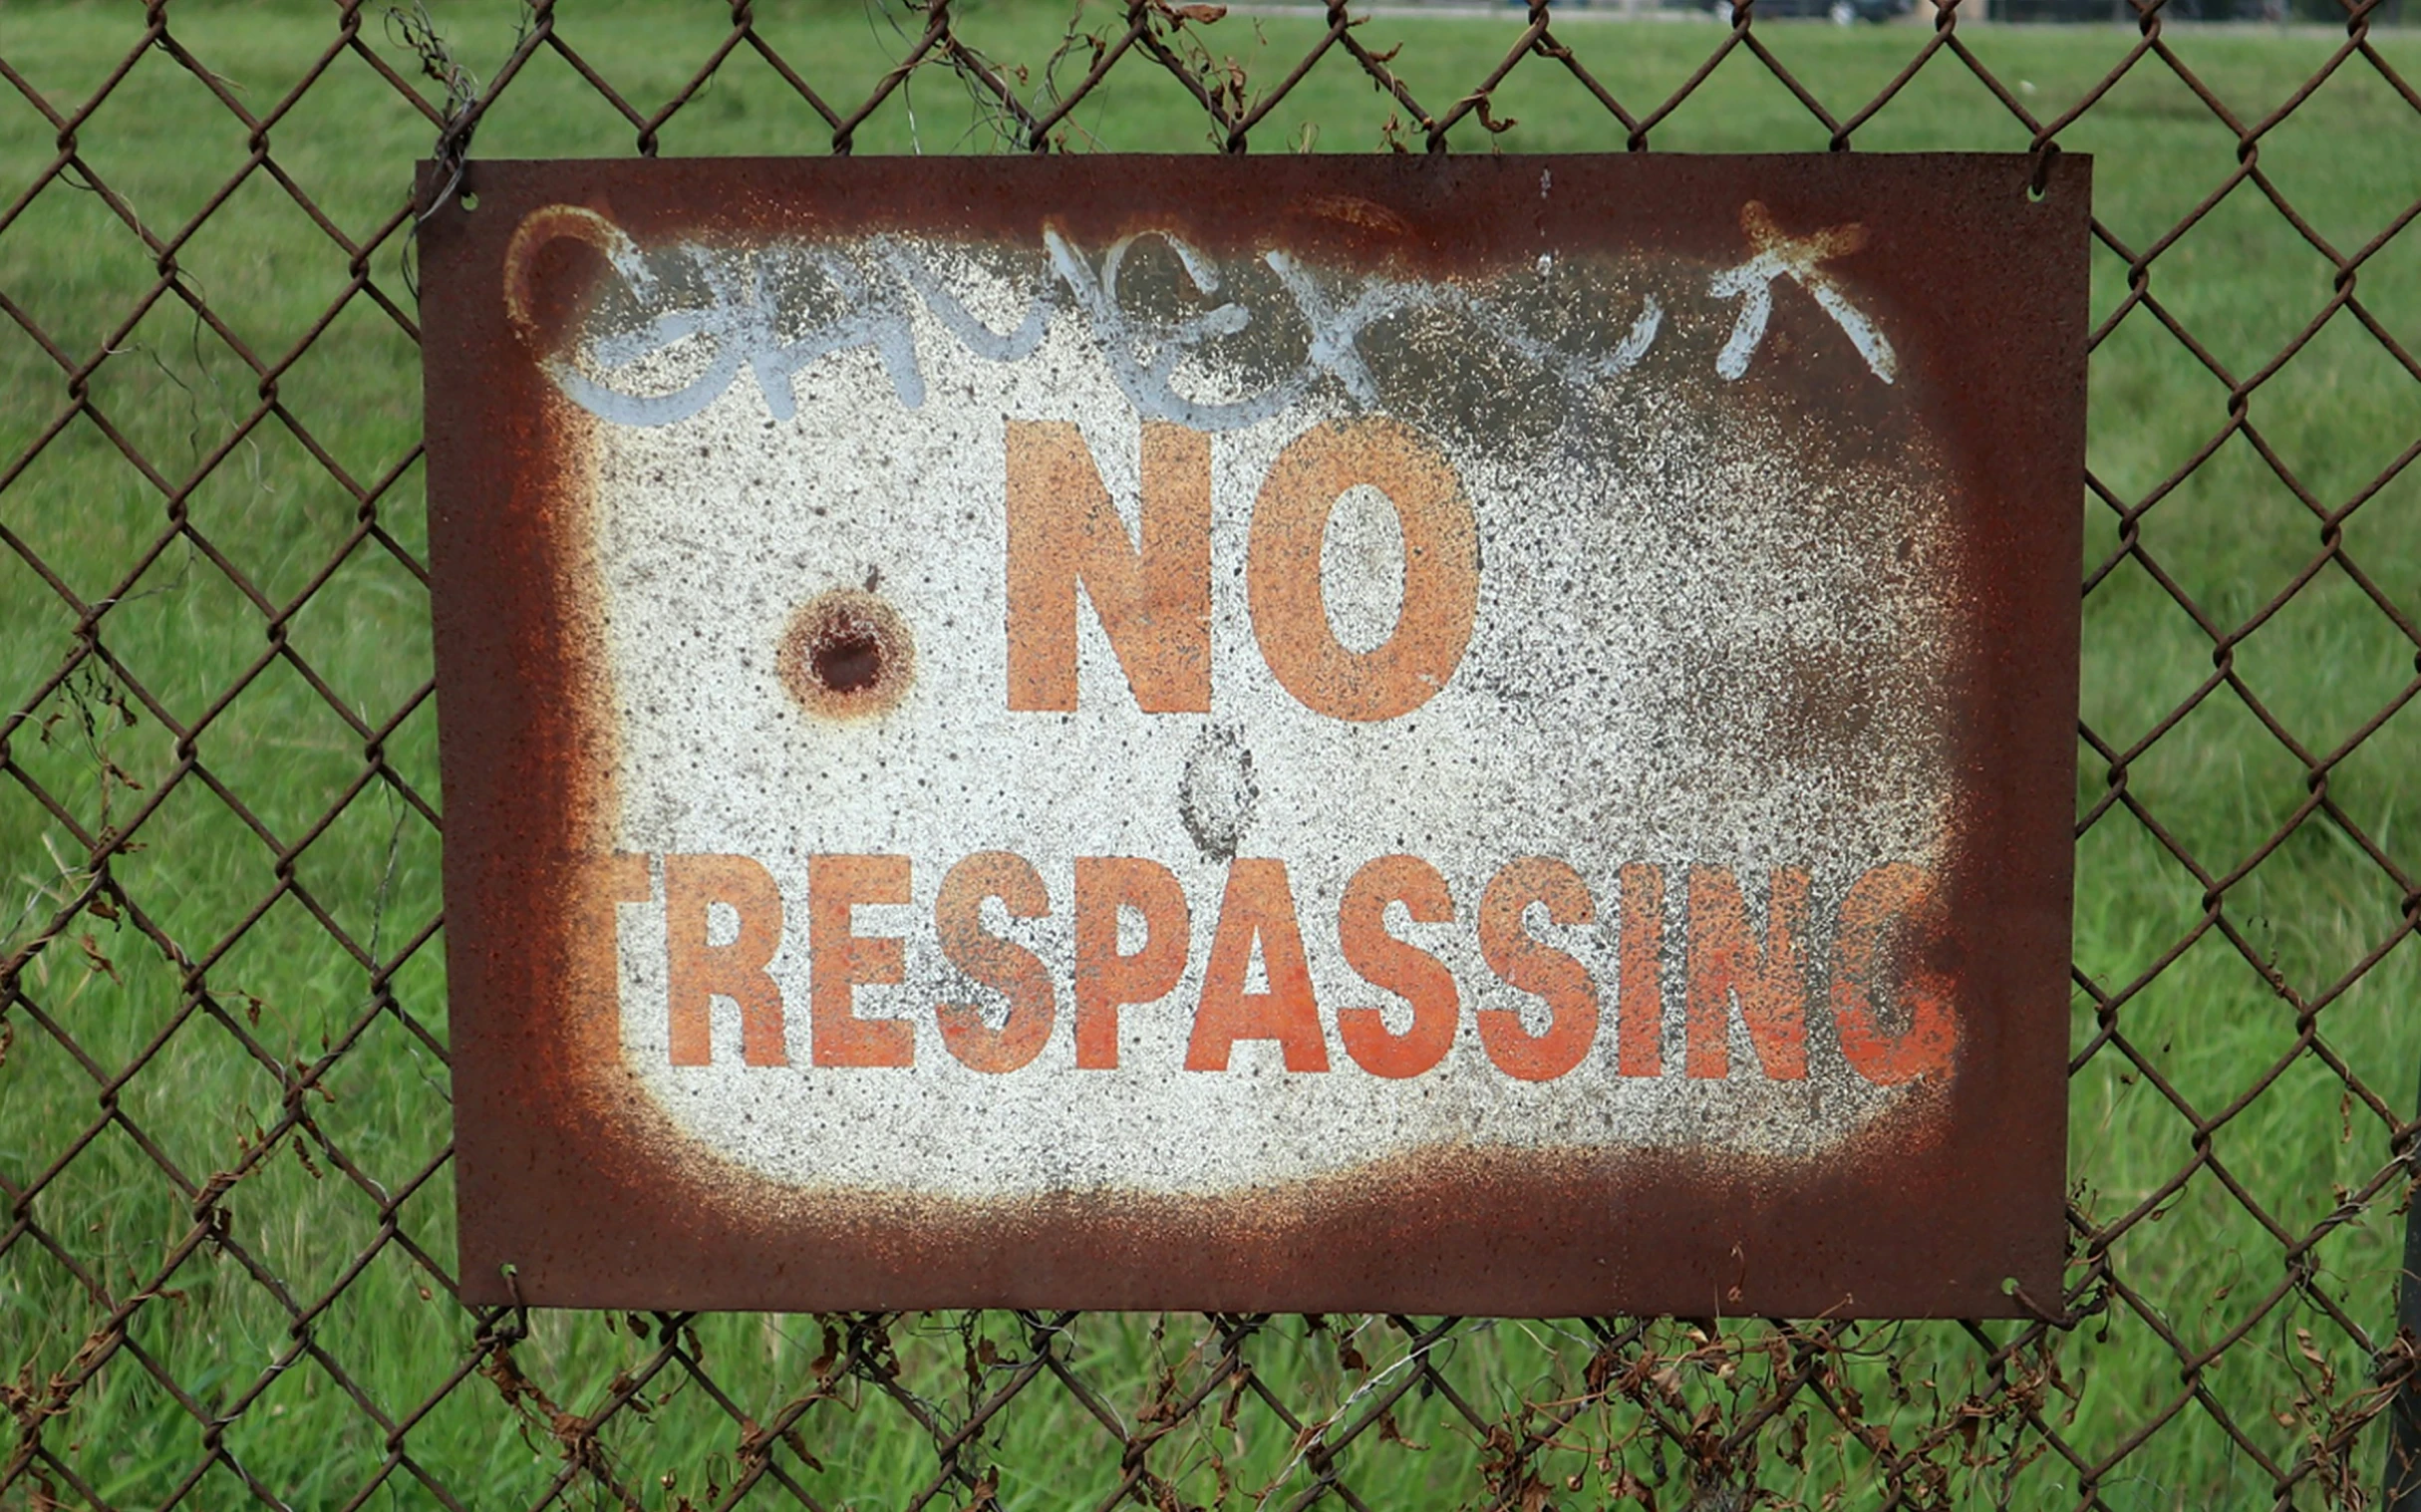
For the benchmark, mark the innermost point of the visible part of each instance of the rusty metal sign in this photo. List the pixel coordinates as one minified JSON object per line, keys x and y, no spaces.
{"x":1448,"y":736}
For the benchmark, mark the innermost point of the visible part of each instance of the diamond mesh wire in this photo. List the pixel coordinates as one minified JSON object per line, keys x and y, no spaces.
{"x":228,"y":1233}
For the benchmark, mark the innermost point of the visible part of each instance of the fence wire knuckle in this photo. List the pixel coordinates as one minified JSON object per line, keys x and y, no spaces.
{"x":202,"y":1278}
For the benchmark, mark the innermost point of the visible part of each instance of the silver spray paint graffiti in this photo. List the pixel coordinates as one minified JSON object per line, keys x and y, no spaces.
{"x":732,"y":307}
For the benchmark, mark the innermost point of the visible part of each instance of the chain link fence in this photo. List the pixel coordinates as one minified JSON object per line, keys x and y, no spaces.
{"x":227,"y":1247}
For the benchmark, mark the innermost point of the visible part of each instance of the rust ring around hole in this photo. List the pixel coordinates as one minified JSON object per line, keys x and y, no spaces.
{"x":524,"y":300}
{"x":846,"y":655}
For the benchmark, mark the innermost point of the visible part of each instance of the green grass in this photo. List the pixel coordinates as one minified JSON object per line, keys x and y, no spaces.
{"x":241,"y":595}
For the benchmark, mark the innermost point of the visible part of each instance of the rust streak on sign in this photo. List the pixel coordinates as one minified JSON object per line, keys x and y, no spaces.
{"x":1484,"y":735}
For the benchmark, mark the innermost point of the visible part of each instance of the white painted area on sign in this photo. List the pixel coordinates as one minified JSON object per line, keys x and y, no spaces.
{"x":1710,"y":633}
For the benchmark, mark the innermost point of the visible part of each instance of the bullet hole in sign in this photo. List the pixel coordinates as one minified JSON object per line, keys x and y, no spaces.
{"x":846,"y":655}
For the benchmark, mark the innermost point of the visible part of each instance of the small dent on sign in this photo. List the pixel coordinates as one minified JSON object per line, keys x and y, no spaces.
{"x":846,"y":655}
{"x":1216,"y":793}
{"x":1354,"y":210}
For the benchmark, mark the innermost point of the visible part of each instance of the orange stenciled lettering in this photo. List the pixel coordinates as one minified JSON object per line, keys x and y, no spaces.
{"x":1639,"y":1028}
{"x":1396,"y":966}
{"x":840,"y":961}
{"x":1725,"y":960}
{"x":1565,"y":985}
{"x":1441,"y":569}
{"x":1258,"y":905}
{"x":1105,"y":979}
{"x":696,"y":973}
{"x":1003,"y":965}
{"x":1885,"y":921}
{"x":591,"y":968}
{"x":1153,"y":599}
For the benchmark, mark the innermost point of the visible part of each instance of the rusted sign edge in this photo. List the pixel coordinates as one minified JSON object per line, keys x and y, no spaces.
{"x":551,"y":1186}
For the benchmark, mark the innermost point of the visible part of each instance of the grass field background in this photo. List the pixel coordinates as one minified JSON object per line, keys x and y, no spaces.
{"x":273,"y":625}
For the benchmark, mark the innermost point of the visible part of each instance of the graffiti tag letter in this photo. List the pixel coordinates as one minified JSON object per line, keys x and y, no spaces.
{"x":1777,"y":255}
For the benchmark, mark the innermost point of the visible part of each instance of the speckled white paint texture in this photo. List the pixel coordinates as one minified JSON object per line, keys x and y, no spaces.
{"x":1714,"y":627}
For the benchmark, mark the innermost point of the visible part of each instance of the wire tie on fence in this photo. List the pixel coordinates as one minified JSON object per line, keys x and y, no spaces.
{"x":2040,"y":181}
{"x":2064,"y":1321}
{"x":416,"y":32}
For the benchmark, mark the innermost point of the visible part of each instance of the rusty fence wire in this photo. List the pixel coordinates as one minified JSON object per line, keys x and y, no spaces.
{"x":226,"y":1243}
